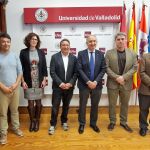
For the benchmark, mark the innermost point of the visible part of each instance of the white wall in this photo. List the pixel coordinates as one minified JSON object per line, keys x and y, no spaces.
{"x":18,"y":30}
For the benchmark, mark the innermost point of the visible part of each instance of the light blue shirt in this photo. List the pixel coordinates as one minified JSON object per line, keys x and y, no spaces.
{"x":10,"y":68}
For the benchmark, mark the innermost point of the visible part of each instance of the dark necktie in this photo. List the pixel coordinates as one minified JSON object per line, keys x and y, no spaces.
{"x":92,"y":66}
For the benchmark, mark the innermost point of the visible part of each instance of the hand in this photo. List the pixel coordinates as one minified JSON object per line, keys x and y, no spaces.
{"x":43,"y":84}
{"x":14,"y":86}
{"x":92,"y":85}
{"x":120,"y":80}
{"x":24,"y":85}
{"x":68,"y":85}
{"x":6,"y":89}
{"x":62,"y":86}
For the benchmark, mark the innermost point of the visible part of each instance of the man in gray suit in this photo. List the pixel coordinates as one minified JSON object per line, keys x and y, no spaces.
{"x":144,"y":94}
{"x":63,"y":73}
{"x":121,"y":64}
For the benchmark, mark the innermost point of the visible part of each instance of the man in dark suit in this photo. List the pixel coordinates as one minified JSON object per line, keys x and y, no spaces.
{"x":63,"y":73}
{"x":121,"y":65}
{"x":91,"y":69}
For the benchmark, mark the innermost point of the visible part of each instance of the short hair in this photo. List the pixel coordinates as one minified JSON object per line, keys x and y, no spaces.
{"x":5,"y":35}
{"x":28,"y":39}
{"x":63,"y":41}
{"x":87,"y":39}
{"x":120,"y":34}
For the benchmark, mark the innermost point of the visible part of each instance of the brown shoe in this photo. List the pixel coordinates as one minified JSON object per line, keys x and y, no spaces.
{"x":126,"y":127}
{"x":3,"y":139}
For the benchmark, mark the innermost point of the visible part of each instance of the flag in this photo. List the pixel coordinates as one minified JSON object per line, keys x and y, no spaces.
{"x":132,"y":44}
{"x":123,"y":27}
{"x":149,"y":41}
{"x":132,"y":32}
{"x":142,"y":35}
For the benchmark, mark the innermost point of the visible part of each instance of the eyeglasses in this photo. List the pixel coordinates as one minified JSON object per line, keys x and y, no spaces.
{"x":34,"y":39}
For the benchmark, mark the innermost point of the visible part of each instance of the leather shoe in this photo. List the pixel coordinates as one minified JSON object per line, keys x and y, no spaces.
{"x":95,"y":128}
{"x":111,"y":126}
{"x":126,"y":127}
{"x":143,"y":132}
{"x":81,"y":129}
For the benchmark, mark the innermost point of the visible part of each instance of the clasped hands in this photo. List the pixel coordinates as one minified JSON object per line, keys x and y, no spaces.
{"x":9,"y":90}
{"x":92,"y":84}
{"x":65,"y":86}
{"x":120,"y":80}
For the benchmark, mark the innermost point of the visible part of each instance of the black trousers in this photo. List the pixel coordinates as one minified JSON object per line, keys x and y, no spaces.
{"x":57,"y":96}
{"x":95,"y":98}
{"x":144,"y":105}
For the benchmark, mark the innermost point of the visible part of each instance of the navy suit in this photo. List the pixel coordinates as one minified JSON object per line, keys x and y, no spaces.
{"x":57,"y":72}
{"x":83,"y":69}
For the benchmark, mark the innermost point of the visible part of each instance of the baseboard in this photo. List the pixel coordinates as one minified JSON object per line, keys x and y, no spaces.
{"x":74,"y":109}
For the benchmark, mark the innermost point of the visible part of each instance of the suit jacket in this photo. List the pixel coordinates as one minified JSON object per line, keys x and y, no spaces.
{"x":145,"y":75}
{"x":83,"y":68}
{"x":57,"y":70}
{"x":113,"y":69}
{"x":25,"y":61}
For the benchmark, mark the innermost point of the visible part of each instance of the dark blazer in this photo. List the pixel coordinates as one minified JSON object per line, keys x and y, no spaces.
{"x":57,"y":70}
{"x":145,"y":75}
{"x":83,"y":68}
{"x":24,"y":58}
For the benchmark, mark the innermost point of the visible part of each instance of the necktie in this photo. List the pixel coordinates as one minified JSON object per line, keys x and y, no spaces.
{"x":92,"y":66}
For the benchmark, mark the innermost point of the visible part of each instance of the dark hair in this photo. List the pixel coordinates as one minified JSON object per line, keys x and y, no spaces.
{"x":5,"y":35}
{"x":28,"y":39}
{"x":120,"y":34}
{"x":63,"y":41}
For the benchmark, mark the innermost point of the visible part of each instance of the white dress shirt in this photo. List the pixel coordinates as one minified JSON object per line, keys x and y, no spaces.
{"x":65,"y":61}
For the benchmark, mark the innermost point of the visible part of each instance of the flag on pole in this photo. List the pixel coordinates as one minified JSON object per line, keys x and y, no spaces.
{"x":142,"y":35}
{"x":132,"y":44}
{"x":149,"y":41}
{"x":123,"y":27}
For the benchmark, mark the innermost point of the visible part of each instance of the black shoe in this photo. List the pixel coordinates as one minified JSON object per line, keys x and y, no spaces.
{"x":142,"y":132}
{"x":126,"y":127}
{"x":81,"y":129}
{"x":95,"y":128}
{"x":32,"y":125}
{"x":36,"y":128}
{"x":111,"y":126}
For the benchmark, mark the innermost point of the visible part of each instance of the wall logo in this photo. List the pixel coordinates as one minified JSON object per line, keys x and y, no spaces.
{"x":102,"y":49}
{"x":43,"y":29}
{"x":58,"y":35}
{"x":44,"y":50}
{"x":41,"y":15}
{"x":87,"y":33}
{"x":73,"y":51}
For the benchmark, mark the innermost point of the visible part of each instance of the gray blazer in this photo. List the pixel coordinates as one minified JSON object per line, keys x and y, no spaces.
{"x":113,"y":69}
{"x":145,"y":75}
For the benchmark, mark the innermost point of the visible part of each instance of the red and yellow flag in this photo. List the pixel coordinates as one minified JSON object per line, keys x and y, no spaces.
{"x":132,"y":44}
